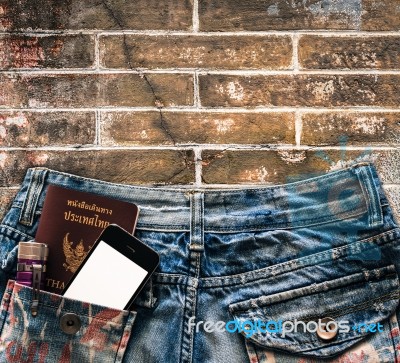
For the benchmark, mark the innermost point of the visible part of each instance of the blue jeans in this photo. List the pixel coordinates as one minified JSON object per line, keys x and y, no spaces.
{"x":246,"y":275}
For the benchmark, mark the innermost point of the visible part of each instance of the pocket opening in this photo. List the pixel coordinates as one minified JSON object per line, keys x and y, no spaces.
{"x":357,"y":301}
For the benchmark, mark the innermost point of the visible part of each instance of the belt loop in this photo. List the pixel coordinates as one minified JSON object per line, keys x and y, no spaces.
{"x":366,"y":180}
{"x":197,"y":221}
{"x":35,"y":187}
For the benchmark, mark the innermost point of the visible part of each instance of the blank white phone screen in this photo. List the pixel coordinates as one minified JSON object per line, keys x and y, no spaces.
{"x":107,"y":278}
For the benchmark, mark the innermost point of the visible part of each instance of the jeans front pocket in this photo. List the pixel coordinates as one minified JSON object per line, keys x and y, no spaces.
{"x":286,"y":327}
{"x":64,"y":330}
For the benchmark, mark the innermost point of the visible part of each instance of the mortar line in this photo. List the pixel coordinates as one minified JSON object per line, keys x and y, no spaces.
{"x":201,"y":71}
{"x":196,"y":19}
{"x":295,"y":59}
{"x":255,"y":185}
{"x":193,"y":109}
{"x":97,"y":52}
{"x":104,"y":147}
{"x":298,"y":122}
{"x":198,"y":166}
{"x":257,"y":33}
{"x":196,"y":88}
{"x":98,"y":124}
{"x":269,"y":72}
{"x":201,"y":147}
{"x":327,"y":33}
{"x":209,"y":186}
{"x":277,"y":147}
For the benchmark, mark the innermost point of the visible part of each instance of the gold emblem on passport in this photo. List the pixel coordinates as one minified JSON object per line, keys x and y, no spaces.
{"x":73,"y":256}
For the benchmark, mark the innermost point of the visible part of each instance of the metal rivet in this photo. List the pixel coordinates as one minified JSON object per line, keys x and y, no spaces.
{"x":70,"y":323}
{"x":328,"y":330}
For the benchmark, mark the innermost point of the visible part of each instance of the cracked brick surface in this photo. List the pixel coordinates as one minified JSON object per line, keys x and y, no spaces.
{"x":92,"y":90}
{"x":72,"y":51}
{"x":198,"y":92}
{"x":260,"y":15}
{"x":95,"y":14}
{"x":300,"y":90}
{"x":27,"y":129}
{"x":145,"y":128}
{"x":320,"y":52}
{"x":357,"y":128}
{"x":120,"y":166}
{"x":222,"y":52}
{"x":284,"y":166}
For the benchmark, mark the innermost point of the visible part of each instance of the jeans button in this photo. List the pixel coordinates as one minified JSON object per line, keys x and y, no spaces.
{"x":70,"y":323}
{"x":327,"y":329}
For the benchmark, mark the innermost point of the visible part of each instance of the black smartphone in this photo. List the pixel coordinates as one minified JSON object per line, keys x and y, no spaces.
{"x":114,"y":271}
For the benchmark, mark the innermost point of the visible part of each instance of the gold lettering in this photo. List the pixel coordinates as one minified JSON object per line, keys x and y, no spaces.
{"x":55,"y":284}
{"x":90,"y":221}
{"x":67,"y":215}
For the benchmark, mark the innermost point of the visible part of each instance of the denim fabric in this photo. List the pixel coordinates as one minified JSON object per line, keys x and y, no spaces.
{"x":103,"y":336}
{"x":322,"y":247}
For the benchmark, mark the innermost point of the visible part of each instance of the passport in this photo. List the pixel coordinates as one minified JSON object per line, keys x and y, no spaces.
{"x":70,"y":223}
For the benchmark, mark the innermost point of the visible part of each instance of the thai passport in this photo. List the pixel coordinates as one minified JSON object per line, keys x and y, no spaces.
{"x":70,"y":223}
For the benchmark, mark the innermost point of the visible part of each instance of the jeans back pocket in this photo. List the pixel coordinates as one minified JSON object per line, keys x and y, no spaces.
{"x":64,"y":330}
{"x":324,"y":320}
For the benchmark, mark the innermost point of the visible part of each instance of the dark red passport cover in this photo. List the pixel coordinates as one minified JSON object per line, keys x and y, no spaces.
{"x":70,"y":223}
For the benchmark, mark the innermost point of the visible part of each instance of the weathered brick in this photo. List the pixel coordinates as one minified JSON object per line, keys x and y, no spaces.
{"x":225,"y":52}
{"x":22,"y":129}
{"x":95,"y":14}
{"x":18,"y":51}
{"x":321,"y":52}
{"x":380,"y":15}
{"x":119,"y":166}
{"x":282,"y":166}
{"x":300,"y":90}
{"x":279,"y":14}
{"x":153,"y":128}
{"x":393,"y":195}
{"x":354,"y":128}
{"x":91,"y":90}
{"x":6,"y":197}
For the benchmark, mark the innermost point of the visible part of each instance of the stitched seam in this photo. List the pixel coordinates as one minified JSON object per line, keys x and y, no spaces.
{"x":294,"y":225}
{"x":392,"y":338}
{"x":302,"y":182}
{"x":118,"y":353}
{"x":374,"y":191}
{"x":367,"y":198}
{"x":336,"y":173}
{"x":13,"y":230}
{"x":357,"y":307}
{"x":68,"y":310}
{"x":35,"y":187}
{"x":323,"y":257}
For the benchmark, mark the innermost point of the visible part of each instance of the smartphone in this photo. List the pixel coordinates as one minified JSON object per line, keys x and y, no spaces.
{"x":114,"y":271}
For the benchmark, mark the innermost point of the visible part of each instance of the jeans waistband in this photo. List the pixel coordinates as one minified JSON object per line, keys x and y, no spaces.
{"x":337,"y":195}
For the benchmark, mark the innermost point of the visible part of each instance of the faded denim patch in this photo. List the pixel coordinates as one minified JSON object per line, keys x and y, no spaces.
{"x":102,"y":337}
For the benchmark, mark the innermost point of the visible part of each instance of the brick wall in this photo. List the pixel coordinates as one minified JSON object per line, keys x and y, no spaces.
{"x":199,"y":92}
